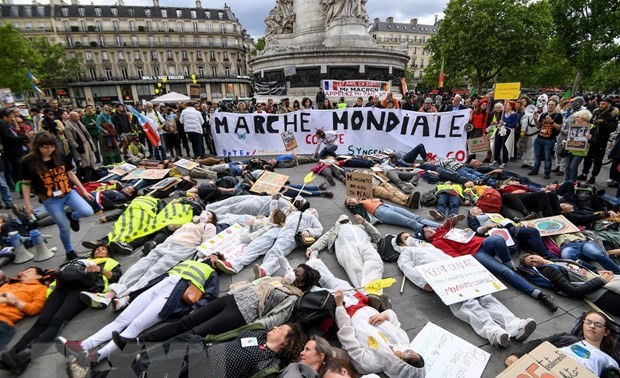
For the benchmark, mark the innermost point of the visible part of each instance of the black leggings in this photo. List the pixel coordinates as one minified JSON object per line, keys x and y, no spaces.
{"x":548,"y":203}
{"x":61,"y":306}
{"x":219,"y":316}
{"x":609,"y":302}
{"x":512,"y":201}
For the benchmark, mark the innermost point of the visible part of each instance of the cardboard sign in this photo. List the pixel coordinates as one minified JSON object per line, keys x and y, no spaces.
{"x":504,"y":234}
{"x":147,"y":174}
{"x":359,"y":185}
{"x":546,"y":361}
{"x":507,"y":91}
{"x":227,"y":242}
{"x":476,"y":145}
{"x":269,"y":182}
{"x":288,"y":138}
{"x":186,"y":164}
{"x":124,"y":169}
{"x":447,"y":355}
{"x":550,"y":226}
{"x":166,"y":183}
{"x":577,"y":140}
{"x":459,"y":279}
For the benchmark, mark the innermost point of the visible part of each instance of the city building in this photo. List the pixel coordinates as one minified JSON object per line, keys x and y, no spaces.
{"x":412,"y":36}
{"x":128,"y":50}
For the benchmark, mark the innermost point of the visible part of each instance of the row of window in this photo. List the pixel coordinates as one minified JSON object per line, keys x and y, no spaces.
{"x":137,"y":55}
{"x":153,"y":42}
{"x":164,"y":26}
{"x":130,"y":11}
{"x":108,"y":72}
{"x":401,"y":38}
{"x":28,"y":11}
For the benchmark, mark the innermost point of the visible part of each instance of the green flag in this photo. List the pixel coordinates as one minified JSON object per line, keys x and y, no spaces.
{"x":567,"y":94}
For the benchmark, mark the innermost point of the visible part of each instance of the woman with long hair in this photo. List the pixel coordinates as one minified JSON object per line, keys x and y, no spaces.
{"x":311,"y":359}
{"x":595,"y":349}
{"x":49,"y":174}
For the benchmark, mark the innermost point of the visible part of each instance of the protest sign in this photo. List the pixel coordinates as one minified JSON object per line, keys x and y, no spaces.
{"x":147,"y":174}
{"x":165,"y":184}
{"x":288,"y":138}
{"x":124,"y":169}
{"x":460,"y":236}
{"x":355,"y":88}
{"x":459,"y":279}
{"x":361,"y":131}
{"x":185,"y":164}
{"x":550,"y":226}
{"x":504,"y":234}
{"x":447,"y":355}
{"x":507,"y":91}
{"x":227,"y":242}
{"x":269,"y":182}
{"x":546,"y":361}
{"x":359,"y":185}
{"x":476,"y":145}
{"x":577,"y":140}
{"x":6,"y":98}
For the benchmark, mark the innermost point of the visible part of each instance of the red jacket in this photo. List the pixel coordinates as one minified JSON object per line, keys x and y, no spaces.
{"x":452,"y":248}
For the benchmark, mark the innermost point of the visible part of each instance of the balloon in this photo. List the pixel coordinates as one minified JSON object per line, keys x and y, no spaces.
{"x":164,"y":79}
{"x":156,"y":91}
{"x":159,"y":85}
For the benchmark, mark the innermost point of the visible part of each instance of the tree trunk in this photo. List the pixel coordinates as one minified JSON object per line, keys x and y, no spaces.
{"x":577,"y":82}
{"x":479,"y":84}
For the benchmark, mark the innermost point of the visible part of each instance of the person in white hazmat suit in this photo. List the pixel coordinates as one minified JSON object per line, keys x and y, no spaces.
{"x":252,"y":205}
{"x":529,"y":132}
{"x":488,"y":317}
{"x":177,"y":247}
{"x":306,"y":223}
{"x":355,"y":248}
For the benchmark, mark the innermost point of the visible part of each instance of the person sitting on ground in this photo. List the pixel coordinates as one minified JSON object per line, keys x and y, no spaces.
{"x":330,"y":140}
{"x":21,"y":297}
{"x":488,"y":317}
{"x":576,"y":281}
{"x":595,"y":350}
{"x":485,"y":251}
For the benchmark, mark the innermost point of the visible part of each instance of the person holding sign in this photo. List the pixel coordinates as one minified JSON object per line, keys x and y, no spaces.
{"x":504,"y":135}
{"x":595,"y":349}
{"x":576,"y":155}
{"x":329,"y":139}
{"x":488,"y":317}
{"x":485,"y":251}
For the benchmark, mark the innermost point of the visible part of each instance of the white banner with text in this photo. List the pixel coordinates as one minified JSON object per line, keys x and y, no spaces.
{"x":362,"y":131}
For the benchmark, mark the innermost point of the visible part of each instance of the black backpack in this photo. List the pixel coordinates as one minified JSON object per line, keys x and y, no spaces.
{"x":312,"y":309}
{"x":386,"y":249}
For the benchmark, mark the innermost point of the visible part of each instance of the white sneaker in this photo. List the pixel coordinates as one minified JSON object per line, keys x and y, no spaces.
{"x":500,"y":338}
{"x":502,"y":166}
{"x":284,"y":264}
{"x":526,"y":328}
{"x":120,"y":303}
{"x":95,"y":300}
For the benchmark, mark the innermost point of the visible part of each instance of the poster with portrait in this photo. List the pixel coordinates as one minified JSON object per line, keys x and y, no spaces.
{"x":577,"y":139}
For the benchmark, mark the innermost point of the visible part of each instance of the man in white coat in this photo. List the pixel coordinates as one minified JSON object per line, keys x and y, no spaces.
{"x":249,"y":205}
{"x":355,"y":248}
{"x":488,"y":317}
{"x":192,"y":121}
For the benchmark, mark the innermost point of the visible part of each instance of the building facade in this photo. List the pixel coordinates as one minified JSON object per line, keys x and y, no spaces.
{"x":412,"y":36}
{"x":131,"y":52}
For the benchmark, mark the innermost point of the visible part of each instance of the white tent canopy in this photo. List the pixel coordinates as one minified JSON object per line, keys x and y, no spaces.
{"x":170,"y":97}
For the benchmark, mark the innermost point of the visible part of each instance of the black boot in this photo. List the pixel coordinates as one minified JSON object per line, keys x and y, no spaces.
{"x":547,"y":301}
{"x":16,"y":361}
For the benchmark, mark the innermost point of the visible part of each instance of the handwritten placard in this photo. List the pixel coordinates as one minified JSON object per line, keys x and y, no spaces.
{"x":288,"y":138}
{"x":147,"y":174}
{"x":459,"y":279}
{"x":447,"y":355}
{"x":123,"y":169}
{"x":186,"y":164}
{"x":227,"y":242}
{"x":269,"y":182}
{"x":359,"y":185}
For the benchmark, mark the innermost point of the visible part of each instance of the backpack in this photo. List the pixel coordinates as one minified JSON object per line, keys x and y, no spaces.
{"x":227,"y":182}
{"x":490,"y":201}
{"x":386,"y":249}
{"x":315,"y":310}
{"x":428,"y":199}
{"x":586,"y":196}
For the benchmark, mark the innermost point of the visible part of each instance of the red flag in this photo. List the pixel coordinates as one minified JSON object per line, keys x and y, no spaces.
{"x":441,"y":76}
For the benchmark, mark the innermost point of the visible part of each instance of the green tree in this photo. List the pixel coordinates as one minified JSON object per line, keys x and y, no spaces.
{"x":481,"y":38}
{"x":260,"y":46}
{"x":605,"y":78}
{"x":17,"y":56}
{"x":55,"y":68}
{"x":589,"y":31}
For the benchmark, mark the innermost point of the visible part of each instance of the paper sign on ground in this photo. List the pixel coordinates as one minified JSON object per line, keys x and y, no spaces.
{"x":166,"y":183}
{"x":459,"y":236}
{"x":550,"y":226}
{"x":546,"y":361}
{"x":124,"y":169}
{"x":447,"y":355}
{"x":227,"y":242}
{"x":147,"y":174}
{"x":269,"y":182}
{"x":507,"y":91}
{"x":459,"y":279}
{"x":187,"y":164}
{"x":288,"y":138}
{"x":359,"y":185}
{"x":504,"y":234}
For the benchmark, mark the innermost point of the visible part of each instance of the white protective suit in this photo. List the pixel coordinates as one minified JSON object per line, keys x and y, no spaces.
{"x":485,"y":314}
{"x":252,"y":205}
{"x":285,"y":243}
{"x":528,"y":126}
{"x":163,"y":257}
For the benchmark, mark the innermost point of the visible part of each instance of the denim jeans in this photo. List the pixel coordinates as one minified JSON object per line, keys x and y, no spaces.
{"x":401,"y":217}
{"x":160,"y":152}
{"x":453,"y":202}
{"x":56,"y":208}
{"x":588,"y":251}
{"x":571,"y":166}
{"x":470,"y":174}
{"x":197,"y":142}
{"x":6,"y":334}
{"x":418,"y":150}
{"x":543,"y":147}
{"x":495,"y":246}
{"x":529,"y":238}
{"x":328,"y":151}
{"x":5,"y":192}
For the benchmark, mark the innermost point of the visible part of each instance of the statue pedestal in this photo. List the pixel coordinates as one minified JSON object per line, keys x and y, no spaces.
{"x":346,"y":32}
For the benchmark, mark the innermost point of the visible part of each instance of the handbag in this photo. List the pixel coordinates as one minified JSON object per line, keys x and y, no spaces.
{"x":192,"y":294}
{"x":74,"y":275}
{"x":303,"y":241}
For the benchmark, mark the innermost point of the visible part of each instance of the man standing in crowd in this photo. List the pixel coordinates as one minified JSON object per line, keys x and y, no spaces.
{"x":605,"y":123}
{"x":192,"y":121}
{"x":90,"y":122}
{"x":79,"y":141}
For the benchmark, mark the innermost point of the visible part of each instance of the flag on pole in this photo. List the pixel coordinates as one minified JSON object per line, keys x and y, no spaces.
{"x":37,"y":89}
{"x":567,"y":94}
{"x":149,"y":130}
{"x":441,"y":75}
{"x":32,"y":77}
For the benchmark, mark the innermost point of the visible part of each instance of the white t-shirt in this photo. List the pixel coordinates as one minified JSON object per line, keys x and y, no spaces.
{"x":589,"y":356}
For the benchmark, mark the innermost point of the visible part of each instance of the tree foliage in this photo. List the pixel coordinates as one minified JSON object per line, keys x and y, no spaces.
{"x":482,"y":38}
{"x":55,"y":67}
{"x":17,"y":56}
{"x":260,"y":46}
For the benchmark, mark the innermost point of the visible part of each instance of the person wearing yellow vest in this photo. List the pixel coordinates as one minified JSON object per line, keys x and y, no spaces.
{"x":181,"y":245}
{"x":165,"y":300}
{"x":451,"y":195}
{"x":62,"y":305}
